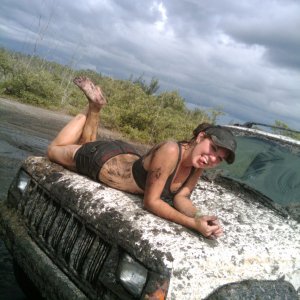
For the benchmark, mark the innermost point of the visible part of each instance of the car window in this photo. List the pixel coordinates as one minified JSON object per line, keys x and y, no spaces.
{"x":271,"y":169}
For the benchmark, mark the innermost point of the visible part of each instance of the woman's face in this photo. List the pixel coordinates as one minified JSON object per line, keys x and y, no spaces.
{"x":207,"y":154}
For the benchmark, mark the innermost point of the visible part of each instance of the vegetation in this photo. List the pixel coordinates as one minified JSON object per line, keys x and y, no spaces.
{"x":135,"y":108}
{"x":284,"y":129}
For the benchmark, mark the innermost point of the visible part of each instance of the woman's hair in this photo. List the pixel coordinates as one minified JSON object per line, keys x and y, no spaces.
{"x":201,"y":127}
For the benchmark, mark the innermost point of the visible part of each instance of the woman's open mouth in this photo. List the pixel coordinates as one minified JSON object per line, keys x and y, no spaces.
{"x":203,"y":161}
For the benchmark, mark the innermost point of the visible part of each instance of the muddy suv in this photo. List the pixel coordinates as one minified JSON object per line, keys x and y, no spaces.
{"x":73,"y":238}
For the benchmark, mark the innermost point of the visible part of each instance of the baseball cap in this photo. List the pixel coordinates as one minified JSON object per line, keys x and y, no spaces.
{"x":224,"y":138}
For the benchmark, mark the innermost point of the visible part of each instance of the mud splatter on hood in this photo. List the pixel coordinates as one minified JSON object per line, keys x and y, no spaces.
{"x":258,"y":242}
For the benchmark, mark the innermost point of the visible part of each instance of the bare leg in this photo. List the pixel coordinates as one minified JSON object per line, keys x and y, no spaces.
{"x":96,"y":103}
{"x":81,"y":129}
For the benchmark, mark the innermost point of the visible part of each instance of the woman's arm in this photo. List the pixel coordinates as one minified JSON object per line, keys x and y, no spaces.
{"x":162,"y":164}
{"x":182,"y":200}
{"x":207,"y":225}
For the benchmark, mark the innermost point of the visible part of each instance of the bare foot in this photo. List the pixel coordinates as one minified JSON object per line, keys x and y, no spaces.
{"x":92,"y":92}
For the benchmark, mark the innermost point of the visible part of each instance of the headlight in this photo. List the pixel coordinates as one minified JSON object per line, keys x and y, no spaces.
{"x":132,"y":275}
{"x":23,"y":181}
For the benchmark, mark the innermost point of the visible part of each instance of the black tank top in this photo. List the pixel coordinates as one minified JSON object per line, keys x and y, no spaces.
{"x":140,"y":176}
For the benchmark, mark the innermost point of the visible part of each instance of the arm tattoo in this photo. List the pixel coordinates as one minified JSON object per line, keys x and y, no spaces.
{"x":154,"y":175}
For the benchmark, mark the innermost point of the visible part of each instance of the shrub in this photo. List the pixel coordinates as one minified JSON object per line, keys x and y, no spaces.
{"x":133,"y":107}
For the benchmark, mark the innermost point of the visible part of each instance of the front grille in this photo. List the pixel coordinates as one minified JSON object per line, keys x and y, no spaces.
{"x":78,"y":250}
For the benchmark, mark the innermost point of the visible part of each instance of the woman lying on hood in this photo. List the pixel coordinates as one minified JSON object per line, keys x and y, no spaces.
{"x":170,"y":169}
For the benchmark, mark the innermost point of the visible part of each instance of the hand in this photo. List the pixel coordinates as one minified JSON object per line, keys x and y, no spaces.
{"x":209,"y":226}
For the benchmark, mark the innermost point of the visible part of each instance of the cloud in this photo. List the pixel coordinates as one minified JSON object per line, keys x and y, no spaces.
{"x":242,"y":55}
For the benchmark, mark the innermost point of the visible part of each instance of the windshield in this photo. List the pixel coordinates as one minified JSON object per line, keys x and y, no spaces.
{"x":268,"y":168}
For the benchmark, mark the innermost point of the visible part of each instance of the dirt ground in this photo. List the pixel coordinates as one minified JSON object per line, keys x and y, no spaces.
{"x":48,"y":122}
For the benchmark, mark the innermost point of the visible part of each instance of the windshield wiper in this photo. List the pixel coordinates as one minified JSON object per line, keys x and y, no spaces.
{"x":250,"y":125}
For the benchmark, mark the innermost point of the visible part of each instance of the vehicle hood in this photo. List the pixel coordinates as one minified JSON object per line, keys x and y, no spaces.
{"x":258,"y":243}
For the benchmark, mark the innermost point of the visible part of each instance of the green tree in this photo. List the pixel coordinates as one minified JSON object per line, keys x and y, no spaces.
{"x":171,"y":100}
{"x":284,"y":129}
{"x":149,"y":89}
{"x":5,"y":64}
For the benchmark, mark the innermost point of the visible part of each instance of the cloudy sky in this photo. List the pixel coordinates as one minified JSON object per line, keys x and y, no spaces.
{"x":243,"y":56}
